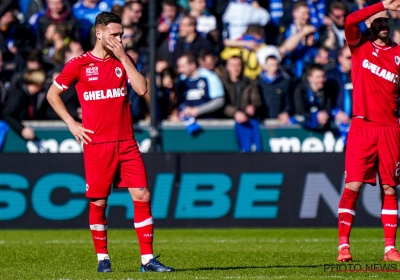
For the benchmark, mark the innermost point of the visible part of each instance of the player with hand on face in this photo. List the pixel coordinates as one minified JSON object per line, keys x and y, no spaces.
{"x":373,"y":145}
{"x":111,"y":154}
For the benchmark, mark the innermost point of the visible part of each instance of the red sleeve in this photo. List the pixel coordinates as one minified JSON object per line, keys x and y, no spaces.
{"x":68,"y":75}
{"x":351,"y":30}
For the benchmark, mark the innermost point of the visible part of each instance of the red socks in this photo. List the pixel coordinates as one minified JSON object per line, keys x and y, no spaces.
{"x":346,"y":213}
{"x":98,"y":227}
{"x":144,"y":226}
{"x":389,"y":218}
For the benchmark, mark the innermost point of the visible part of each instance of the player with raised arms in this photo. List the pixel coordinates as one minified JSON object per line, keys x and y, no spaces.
{"x":373,"y":145}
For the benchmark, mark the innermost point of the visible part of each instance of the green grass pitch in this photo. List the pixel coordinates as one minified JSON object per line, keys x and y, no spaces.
{"x":195,"y":253}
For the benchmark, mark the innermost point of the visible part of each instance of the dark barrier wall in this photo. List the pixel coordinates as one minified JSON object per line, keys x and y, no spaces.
{"x":188,"y":190}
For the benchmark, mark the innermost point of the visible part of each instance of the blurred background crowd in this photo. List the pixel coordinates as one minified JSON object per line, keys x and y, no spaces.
{"x":215,"y":59}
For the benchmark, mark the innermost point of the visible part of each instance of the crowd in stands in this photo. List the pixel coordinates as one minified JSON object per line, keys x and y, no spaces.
{"x":240,"y":59}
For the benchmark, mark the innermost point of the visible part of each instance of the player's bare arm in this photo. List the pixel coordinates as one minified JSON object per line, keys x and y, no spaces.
{"x":367,"y":14}
{"x":140,"y":83}
{"x":76,"y":128}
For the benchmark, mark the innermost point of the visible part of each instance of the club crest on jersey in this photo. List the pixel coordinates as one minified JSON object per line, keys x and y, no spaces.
{"x":92,"y":71}
{"x":397,"y":60}
{"x":201,"y":84}
{"x":118,"y":72}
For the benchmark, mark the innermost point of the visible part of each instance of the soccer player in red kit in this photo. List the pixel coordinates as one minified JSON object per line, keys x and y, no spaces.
{"x":373,"y":145}
{"x":111,"y":154}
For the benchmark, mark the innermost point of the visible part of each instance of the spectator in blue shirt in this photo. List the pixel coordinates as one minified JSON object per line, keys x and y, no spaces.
{"x":85,"y":11}
{"x":200,"y":93}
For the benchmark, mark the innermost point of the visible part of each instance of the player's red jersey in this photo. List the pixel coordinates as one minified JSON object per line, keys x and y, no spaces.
{"x":375,"y":72}
{"x":101,"y":87}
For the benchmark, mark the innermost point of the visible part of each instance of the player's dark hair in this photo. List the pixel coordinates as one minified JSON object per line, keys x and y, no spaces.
{"x":314,"y":67}
{"x":105,"y":18}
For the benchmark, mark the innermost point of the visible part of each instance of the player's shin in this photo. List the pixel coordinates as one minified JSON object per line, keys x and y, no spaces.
{"x":389,"y":216}
{"x":346,"y":214}
{"x":98,"y":227}
{"x":144,"y":229}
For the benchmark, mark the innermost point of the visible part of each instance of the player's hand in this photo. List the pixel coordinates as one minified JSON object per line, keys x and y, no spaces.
{"x":322,"y":117}
{"x":240,"y":117}
{"x":393,"y":5}
{"x":79,"y":132}
{"x":28,"y":133}
{"x":116,"y":47}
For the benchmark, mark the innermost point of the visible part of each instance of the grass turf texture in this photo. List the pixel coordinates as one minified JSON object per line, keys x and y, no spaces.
{"x":195,"y":254}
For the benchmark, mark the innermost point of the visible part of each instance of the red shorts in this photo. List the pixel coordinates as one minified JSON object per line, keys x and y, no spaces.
{"x":372,"y":148}
{"x":119,"y":163}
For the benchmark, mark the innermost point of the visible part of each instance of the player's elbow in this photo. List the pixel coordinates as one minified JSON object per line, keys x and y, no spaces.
{"x":142,"y":90}
{"x":349,"y":21}
{"x":53,"y":93}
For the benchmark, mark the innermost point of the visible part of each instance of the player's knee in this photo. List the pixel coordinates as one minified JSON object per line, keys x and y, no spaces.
{"x":389,"y":190}
{"x":98,"y":202}
{"x":354,"y":186}
{"x":143,"y":196}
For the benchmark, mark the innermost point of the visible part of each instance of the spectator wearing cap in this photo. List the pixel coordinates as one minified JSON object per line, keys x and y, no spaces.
{"x":275,"y":86}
